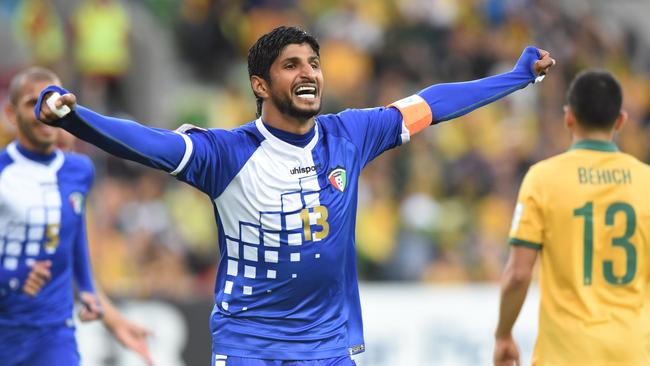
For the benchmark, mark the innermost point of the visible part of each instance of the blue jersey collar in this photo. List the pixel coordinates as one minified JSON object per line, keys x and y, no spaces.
{"x":37,"y":157}
{"x":289,"y":143}
{"x":292,"y":138}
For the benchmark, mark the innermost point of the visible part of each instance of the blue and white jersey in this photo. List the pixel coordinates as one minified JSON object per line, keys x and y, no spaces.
{"x":287,"y":282}
{"x":42,"y":218}
{"x":286,"y":286}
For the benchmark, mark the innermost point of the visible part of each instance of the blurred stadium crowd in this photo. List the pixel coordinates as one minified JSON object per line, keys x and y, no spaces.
{"x":437,"y":210}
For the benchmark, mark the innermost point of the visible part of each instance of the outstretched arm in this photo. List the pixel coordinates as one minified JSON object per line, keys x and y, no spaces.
{"x":154,"y":147}
{"x":442,"y":102}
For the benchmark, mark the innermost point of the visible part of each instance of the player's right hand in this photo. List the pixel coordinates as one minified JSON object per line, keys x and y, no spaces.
{"x":506,"y":352}
{"x":47,"y":115}
{"x":37,"y":278}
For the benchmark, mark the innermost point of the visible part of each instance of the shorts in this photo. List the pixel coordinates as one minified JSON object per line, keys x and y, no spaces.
{"x":38,"y":346}
{"x":220,"y":360}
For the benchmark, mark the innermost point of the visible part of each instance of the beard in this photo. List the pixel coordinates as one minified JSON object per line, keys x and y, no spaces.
{"x":27,"y":127}
{"x":286,"y":106}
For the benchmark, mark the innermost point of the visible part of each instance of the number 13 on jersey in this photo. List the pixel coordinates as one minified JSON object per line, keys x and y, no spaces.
{"x":316,"y":215}
{"x":612,"y":216}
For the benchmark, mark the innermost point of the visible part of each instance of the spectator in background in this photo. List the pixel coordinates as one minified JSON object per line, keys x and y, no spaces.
{"x":102,"y":51}
{"x":39,"y":30}
{"x":200,"y":38}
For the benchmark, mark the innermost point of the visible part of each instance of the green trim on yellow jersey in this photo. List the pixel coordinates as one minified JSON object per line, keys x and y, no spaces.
{"x":524,"y":243}
{"x":598,"y":145}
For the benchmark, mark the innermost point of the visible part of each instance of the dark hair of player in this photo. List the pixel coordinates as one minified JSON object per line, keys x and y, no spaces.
{"x":267,"y":48}
{"x":32,"y":74}
{"x":595,"y":98}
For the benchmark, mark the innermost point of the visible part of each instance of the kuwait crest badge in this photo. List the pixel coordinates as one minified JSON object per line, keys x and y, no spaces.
{"x":338,"y":179}
{"x":77,"y":202}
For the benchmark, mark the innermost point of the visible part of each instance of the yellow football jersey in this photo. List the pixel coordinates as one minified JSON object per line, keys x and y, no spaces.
{"x":588,"y":212}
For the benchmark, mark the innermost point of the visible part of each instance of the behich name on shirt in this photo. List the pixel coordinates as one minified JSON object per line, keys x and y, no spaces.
{"x":596,"y":176}
{"x":305,"y":169}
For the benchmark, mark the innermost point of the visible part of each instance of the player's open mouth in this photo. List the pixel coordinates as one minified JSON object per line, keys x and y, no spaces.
{"x":306,"y":92}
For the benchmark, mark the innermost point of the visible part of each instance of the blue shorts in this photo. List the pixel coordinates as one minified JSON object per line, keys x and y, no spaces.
{"x":219,"y":360}
{"x":38,"y":346}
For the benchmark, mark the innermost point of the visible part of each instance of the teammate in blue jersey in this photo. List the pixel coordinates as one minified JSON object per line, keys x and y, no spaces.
{"x":284,"y":189}
{"x":43,"y":244}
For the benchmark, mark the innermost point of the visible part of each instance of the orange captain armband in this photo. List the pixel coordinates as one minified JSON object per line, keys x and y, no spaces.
{"x":416,"y":113}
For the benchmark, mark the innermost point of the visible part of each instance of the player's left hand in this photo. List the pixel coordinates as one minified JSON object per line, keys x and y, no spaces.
{"x":130,"y":335}
{"x":506,"y":352}
{"x":91,"y":309}
{"x":534,"y":62}
{"x":544,"y":63}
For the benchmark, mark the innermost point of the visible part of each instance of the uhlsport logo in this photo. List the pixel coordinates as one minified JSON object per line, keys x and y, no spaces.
{"x":77,"y":202}
{"x":337,"y":178}
{"x":304,"y":170}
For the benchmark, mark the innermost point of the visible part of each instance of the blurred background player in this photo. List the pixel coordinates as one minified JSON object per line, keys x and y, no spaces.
{"x":586,"y":213}
{"x":43,"y":243}
{"x":285,"y":192}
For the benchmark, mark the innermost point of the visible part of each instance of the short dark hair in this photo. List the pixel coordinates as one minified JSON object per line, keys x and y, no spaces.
{"x":263,"y":53}
{"x":33,"y":74}
{"x":595,"y":98}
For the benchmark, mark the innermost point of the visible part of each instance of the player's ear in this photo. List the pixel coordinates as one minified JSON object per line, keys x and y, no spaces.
{"x":260,"y":87}
{"x":620,"y":120}
{"x":569,"y":118}
{"x":10,"y":112}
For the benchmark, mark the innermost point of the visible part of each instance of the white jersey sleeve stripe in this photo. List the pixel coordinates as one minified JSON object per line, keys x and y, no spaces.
{"x":406,"y":134}
{"x":189,"y":146}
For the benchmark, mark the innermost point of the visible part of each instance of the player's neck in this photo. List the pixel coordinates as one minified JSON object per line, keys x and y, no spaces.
{"x":284,"y":122}
{"x":37,"y":155}
{"x":593,"y":135}
{"x":34,"y":148}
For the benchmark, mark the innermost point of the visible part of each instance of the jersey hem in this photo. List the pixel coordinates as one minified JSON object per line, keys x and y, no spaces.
{"x":278,"y":354}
